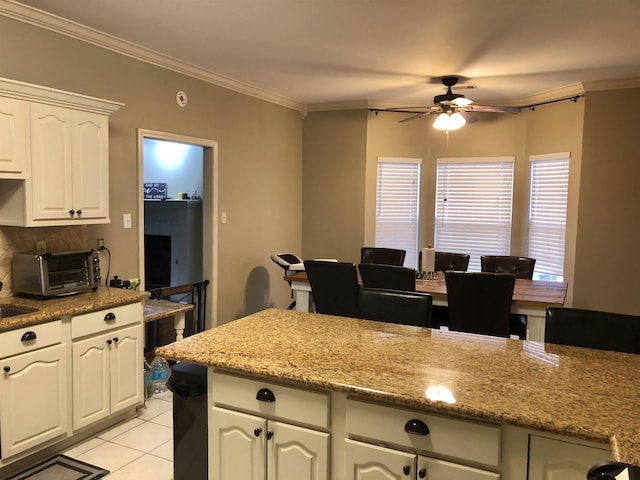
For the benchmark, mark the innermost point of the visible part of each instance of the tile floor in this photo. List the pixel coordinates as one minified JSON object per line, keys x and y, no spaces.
{"x":140,"y":448}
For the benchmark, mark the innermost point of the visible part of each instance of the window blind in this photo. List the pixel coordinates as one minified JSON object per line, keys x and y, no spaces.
{"x":397,"y":206}
{"x":548,"y":194}
{"x":473,"y":206}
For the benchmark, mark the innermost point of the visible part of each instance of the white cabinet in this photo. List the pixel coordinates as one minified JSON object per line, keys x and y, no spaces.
{"x":265,"y":442}
{"x":14,"y":136}
{"x":107,"y":355}
{"x":33,"y":387}
{"x":54,"y":166}
{"x":552,"y":459}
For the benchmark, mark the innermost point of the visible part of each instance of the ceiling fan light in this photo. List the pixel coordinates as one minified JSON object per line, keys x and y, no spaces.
{"x":447,"y":122}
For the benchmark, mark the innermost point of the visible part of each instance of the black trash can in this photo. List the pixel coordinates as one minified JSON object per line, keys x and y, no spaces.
{"x":613,"y":470}
{"x":188,"y":382}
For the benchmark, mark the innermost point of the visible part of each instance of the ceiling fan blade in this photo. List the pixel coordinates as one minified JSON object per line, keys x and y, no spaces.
{"x":492,"y":109}
{"x":467,"y":116}
{"x":413,"y":117}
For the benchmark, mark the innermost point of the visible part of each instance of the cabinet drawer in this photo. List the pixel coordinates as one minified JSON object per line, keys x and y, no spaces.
{"x":291,"y":403}
{"x":462,"y":439}
{"x":23,"y":340}
{"x":103,"y":320}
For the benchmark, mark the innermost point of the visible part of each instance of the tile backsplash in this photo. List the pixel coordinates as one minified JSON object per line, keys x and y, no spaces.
{"x":20,"y":239}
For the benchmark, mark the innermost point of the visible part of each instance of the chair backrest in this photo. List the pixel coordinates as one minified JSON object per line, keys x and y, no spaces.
{"x":334,"y":286}
{"x":395,"y":306}
{"x":387,"y":276}
{"x":451,"y":261}
{"x":480,"y":302}
{"x":387,"y":256}
{"x":521,"y":267}
{"x":592,"y":329}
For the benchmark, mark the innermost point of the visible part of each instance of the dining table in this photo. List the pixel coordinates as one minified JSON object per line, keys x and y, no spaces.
{"x":530,"y":297}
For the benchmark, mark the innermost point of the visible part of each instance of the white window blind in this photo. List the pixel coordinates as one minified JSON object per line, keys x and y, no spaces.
{"x":473,"y":206}
{"x":548,"y":193}
{"x":397,"y":202}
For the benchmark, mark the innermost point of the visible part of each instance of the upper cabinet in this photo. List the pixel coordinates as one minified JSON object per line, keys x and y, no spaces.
{"x":54,"y":166}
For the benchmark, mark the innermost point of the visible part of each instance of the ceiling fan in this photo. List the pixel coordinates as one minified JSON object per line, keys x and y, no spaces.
{"x":453,"y":109}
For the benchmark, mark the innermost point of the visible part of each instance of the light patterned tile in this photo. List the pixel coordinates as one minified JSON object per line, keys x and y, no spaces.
{"x":147,"y":467}
{"x":145,"y":437}
{"x":110,"y":456}
{"x":165,"y":419}
{"x":154,"y":408}
{"x":165,"y":450}
{"x":121,"y":428}
{"x":83,"y":447}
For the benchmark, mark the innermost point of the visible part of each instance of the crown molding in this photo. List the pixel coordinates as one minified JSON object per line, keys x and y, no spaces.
{"x":613,"y":84}
{"x":41,"y":19}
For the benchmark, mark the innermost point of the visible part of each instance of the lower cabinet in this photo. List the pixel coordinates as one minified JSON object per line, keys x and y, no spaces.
{"x":33,"y":399}
{"x":248,"y":447}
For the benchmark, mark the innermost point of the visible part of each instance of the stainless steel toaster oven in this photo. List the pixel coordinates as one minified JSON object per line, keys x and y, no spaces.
{"x":55,"y":274}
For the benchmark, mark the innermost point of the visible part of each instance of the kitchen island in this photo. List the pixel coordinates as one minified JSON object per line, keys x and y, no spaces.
{"x":520,"y":388}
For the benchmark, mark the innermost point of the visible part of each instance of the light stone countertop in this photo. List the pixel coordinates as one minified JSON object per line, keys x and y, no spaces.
{"x":49,"y":309}
{"x":585,"y":393}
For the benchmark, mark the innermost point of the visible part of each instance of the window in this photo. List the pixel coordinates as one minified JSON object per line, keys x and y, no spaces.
{"x":397,"y":201}
{"x":473,"y":206}
{"x":548,"y":192}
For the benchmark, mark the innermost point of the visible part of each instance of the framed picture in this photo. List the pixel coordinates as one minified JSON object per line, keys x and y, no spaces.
{"x":155,"y":191}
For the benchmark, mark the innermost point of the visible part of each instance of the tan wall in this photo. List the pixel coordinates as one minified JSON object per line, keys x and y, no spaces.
{"x":333,"y":184}
{"x":260,"y":151}
{"x":607,"y":258}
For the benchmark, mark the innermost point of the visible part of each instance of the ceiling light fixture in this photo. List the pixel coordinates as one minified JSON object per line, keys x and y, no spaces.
{"x":449,"y":121}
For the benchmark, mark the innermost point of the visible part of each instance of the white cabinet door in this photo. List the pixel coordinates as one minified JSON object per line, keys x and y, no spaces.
{"x":90,"y":163}
{"x":126,"y":377}
{"x":238,"y":446}
{"x":33,"y":399}
{"x":14,"y":135}
{"x":296,"y":452}
{"x":91,"y":392}
{"x":551,"y":459}
{"x":440,"y":470}
{"x":107,"y":374}
{"x":370,"y":462}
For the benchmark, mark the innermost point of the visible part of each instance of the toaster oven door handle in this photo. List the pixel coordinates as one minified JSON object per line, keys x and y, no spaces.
{"x":110,"y":317}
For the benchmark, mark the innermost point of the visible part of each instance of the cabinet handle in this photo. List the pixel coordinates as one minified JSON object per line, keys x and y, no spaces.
{"x":269,"y":435}
{"x":257,"y":432}
{"x":71,"y":212}
{"x":422,"y":473}
{"x":109,"y":317}
{"x":416,"y":427}
{"x":109,"y":342}
{"x":79,"y":212}
{"x":115,"y":339}
{"x":265,"y":395}
{"x":28,"y":336}
{"x":406,"y":469}
{"x":7,"y":369}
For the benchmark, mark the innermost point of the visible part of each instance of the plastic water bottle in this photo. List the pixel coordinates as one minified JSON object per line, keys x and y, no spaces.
{"x":159,"y":374}
{"x":148,"y":380}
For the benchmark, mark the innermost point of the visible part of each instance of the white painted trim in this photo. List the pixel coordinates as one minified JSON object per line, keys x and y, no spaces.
{"x":399,"y":160}
{"x":209,"y":213}
{"x":39,"y":18}
{"x":550,"y":156}
{"x":504,"y":159}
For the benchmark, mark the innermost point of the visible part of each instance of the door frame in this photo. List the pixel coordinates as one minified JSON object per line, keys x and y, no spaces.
{"x":209,"y":213}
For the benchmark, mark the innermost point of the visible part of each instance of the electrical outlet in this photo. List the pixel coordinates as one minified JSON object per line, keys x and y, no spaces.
{"x":223,"y":217}
{"x":100,"y":243}
{"x":41,"y":247}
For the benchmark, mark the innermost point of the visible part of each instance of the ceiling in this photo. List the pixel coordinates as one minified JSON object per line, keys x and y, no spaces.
{"x":377,"y":52}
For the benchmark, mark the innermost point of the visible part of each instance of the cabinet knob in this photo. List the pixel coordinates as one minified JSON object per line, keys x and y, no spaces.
{"x":7,"y":369}
{"x":422,"y":473}
{"x":109,"y":317}
{"x":26,"y":336}
{"x":257,"y":432}
{"x":71,"y":212}
{"x":406,"y":469}
{"x":79,"y":212}
{"x":265,"y":395}
{"x":416,"y":427}
{"x":269,"y":435}
{"x":109,"y":342}
{"x":115,"y":339}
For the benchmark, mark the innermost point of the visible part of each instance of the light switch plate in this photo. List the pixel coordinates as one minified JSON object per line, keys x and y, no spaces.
{"x":126,"y":220}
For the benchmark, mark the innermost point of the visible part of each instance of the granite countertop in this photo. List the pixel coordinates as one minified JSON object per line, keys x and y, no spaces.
{"x":585,"y":393}
{"x":49,"y":309}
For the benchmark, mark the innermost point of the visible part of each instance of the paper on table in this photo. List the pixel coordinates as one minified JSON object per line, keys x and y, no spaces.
{"x":428,"y":259}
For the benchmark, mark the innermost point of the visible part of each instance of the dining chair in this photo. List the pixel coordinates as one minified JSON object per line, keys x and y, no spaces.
{"x":395,"y":306}
{"x":592,"y":329}
{"x":334,"y":287}
{"x":387,"y":256}
{"x":387,"y":276}
{"x":480,"y":302}
{"x":521,"y":267}
{"x":451,"y":261}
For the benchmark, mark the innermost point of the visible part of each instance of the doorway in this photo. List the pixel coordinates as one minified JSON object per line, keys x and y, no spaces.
{"x":177,"y":219}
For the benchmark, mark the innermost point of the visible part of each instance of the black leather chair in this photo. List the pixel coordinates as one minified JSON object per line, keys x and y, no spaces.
{"x":480,"y":302}
{"x":386,"y":256}
{"x":592,"y":329}
{"x":375,"y":275}
{"x":334,"y":286}
{"x":395,"y":306}
{"x":521,"y":267}
{"x":451,"y":261}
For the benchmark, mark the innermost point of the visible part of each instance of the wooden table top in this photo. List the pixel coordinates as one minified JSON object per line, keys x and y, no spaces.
{"x":526,"y":292}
